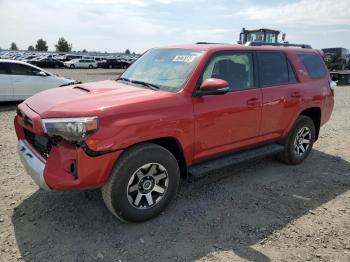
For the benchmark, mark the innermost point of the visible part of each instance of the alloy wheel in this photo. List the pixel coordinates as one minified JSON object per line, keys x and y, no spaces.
{"x":147,"y":186}
{"x":302,"y":141}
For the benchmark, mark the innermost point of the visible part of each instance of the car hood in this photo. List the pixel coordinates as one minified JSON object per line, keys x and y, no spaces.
{"x":89,"y":99}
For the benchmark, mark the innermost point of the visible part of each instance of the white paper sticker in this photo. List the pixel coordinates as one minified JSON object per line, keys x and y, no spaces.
{"x":184,"y":58}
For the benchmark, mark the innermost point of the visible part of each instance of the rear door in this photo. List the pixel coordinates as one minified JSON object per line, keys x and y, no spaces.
{"x":6,"y":88}
{"x":281,"y":93}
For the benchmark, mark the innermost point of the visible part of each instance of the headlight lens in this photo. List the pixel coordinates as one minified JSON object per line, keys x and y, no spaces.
{"x":71,"y":129}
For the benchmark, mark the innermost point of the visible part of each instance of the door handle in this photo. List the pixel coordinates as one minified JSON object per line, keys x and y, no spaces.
{"x":253,"y":101}
{"x":295,"y":94}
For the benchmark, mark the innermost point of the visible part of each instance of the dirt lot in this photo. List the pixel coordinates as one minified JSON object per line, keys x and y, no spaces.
{"x":261,"y":211}
{"x":88,"y":75}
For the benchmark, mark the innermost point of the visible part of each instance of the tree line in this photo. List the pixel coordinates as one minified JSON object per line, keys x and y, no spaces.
{"x":41,"y":45}
{"x":61,"y":46}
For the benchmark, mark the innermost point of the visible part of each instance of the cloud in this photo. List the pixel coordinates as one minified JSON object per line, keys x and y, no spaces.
{"x":303,"y":12}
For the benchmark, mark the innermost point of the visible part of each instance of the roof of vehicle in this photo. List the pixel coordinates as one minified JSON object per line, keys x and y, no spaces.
{"x":225,"y":47}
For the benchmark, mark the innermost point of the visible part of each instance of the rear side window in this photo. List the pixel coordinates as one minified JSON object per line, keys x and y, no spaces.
{"x":314,"y":65}
{"x":273,"y":68}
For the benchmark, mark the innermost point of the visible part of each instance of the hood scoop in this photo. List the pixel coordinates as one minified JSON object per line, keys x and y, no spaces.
{"x":82,"y":89}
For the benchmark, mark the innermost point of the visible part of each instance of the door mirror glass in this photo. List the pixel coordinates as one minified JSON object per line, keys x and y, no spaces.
{"x":213,"y":86}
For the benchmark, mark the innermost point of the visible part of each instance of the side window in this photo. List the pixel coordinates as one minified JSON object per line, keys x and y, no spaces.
{"x":273,"y":68}
{"x":4,"y":69}
{"x":235,"y":68}
{"x":314,"y":65}
{"x":19,"y":69}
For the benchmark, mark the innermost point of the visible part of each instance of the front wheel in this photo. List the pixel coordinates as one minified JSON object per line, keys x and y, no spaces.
{"x":299,"y":141}
{"x":142,"y":183}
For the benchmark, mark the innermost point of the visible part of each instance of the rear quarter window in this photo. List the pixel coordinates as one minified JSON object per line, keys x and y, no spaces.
{"x":314,"y":65}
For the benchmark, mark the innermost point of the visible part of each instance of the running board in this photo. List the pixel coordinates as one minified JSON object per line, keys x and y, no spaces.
{"x":234,"y":159}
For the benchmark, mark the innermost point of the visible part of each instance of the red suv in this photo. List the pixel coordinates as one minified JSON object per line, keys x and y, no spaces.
{"x":177,"y":110}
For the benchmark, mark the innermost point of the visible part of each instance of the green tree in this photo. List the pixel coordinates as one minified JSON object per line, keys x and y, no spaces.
{"x":31,"y":48}
{"x":41,"y":45}
{"x":84,"y":51}
{"x":63,"y":45}
{"x":13,"y":46}
{"x":127,"y":52}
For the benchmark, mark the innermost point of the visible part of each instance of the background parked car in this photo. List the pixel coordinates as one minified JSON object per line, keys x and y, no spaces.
{"x":20,"y":80}
{"x":114,"y":63}
{"x":47,"y":62}
{"x":81,"y":63}
{"x":336,"y":58}
{"x":70,"y":57}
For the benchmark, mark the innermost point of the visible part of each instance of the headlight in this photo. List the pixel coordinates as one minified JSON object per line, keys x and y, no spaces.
{"x":71,"y":129}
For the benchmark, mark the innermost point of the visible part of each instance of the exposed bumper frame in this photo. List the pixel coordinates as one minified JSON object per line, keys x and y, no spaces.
{"x":32,"y":164}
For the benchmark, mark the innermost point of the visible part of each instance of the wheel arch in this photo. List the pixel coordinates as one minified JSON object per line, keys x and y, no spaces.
{"x":173,"y":145}
{"x":315,"y":114}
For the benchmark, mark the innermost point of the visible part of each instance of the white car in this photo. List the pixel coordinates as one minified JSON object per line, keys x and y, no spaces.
{"x":81,"y":63}
{"x":20,"y":80}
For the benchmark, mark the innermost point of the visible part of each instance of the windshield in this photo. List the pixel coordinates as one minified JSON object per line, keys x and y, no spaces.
{"x":167,"y":69}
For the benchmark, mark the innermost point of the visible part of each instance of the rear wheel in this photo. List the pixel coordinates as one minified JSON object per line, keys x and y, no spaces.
{"x":72,"y":66}
{"x":142,"y":183}
{"x":91,"y":66}
{"x":299,"y":142}
{"x":110,"y":66}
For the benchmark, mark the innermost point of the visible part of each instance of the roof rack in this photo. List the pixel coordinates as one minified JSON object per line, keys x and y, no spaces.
{"x":207,"y":43}
{"x":258,"y":43}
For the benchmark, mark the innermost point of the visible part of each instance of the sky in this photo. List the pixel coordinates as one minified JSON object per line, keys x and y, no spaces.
{"x":115,"y":25}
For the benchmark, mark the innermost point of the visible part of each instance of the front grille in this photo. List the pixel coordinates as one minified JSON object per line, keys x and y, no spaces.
{"x":41,"y":143}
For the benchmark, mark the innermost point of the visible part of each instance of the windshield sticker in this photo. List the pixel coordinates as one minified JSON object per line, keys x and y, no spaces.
{"x":184,"y":58}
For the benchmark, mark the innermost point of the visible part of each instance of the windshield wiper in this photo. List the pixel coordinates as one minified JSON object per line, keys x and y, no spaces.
{"x":149,"y":85}
{"x":123,"y":79}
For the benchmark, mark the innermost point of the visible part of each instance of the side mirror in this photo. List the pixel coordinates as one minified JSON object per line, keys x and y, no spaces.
{"x":41,"y":73}
{"x":213,"y":86}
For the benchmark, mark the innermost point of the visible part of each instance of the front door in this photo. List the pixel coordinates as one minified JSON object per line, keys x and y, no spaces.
{"x":226,"y":122}
{"x":26,"y":81}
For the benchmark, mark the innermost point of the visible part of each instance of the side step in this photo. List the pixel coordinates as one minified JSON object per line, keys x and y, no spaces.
{"x":234,"y":159}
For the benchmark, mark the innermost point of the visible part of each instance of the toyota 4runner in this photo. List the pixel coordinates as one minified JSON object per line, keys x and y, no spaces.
{"x":177,"y":110}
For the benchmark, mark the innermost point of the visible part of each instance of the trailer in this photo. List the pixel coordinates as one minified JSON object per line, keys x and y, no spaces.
{"x":341,"y":77}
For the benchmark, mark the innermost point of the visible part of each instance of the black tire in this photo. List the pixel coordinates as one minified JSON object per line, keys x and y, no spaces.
{"x":290,"y":154}
{"x":110,"y":66}
{"x":91,"y":66}
{"x":72,"y":66}
{"x":116,"y":193}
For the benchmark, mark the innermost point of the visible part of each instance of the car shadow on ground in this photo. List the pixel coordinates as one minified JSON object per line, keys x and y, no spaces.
{"x":230,"y":210}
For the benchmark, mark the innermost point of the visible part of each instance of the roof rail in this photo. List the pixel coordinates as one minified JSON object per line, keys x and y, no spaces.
{"x":207,"y":43}
{"x":259,"y":43}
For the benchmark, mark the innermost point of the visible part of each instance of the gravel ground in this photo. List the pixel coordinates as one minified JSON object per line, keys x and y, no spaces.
{"x":261,"y":211}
